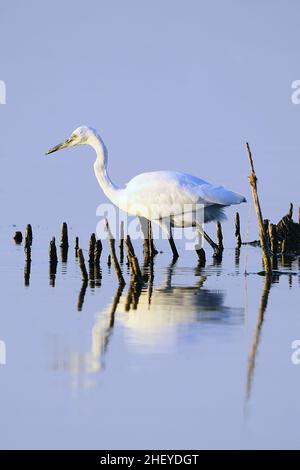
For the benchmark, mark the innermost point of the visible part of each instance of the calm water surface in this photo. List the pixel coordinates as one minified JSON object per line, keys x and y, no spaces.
{"x":201,"y":358}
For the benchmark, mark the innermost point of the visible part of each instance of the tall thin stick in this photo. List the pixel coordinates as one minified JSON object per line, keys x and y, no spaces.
{"x":114,"y":258}
{"x":262,"y":236}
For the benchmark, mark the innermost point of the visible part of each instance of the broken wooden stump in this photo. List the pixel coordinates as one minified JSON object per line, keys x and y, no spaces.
{"x":18,"y":237}
{"x":201,"y":257}
{"x":64,"y":242}
{"x":218,"y":254}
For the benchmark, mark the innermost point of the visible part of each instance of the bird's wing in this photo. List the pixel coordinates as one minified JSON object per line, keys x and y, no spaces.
{"x":174,"y":190}
{"x":220,"y":195}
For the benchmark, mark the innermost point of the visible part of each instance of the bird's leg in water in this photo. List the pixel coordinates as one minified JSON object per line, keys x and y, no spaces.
{"x":214,"y":246}
{"x":166,"y":226}
{"x":173,"y":246}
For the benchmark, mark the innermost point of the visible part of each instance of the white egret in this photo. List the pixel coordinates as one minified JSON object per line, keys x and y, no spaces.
{"x":169,"y":198}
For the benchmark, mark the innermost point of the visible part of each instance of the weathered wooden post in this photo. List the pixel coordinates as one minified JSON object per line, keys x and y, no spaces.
{"x":114,"y":258}
{"x":218,"y":254}
{"x":238,"y":230}
{"x":121,"y":243}
{"x":76,"y":246}
{"x":97,"y":255}
{"x":52,"y":262}
{"x":82,"y":265}
{"x":263,"y":241}
{"x":134,"y":263}
{"x":28,"y":235}
{"x":273,"y":244}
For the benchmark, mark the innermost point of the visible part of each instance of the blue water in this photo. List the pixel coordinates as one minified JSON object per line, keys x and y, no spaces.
{"x":191,"y":362}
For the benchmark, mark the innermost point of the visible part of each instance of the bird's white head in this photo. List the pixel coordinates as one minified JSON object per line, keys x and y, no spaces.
{"x":82,"y":135}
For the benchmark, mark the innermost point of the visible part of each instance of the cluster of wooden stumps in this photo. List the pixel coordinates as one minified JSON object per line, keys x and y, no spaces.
{"x":281,"y":239}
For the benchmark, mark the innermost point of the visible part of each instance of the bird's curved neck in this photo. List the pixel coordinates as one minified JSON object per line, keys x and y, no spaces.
{"x":100,"y":167}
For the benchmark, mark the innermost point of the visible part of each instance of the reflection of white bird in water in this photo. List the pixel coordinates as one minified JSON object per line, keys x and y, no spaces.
{"x":153,"y":319}
{"x":169,"y":198}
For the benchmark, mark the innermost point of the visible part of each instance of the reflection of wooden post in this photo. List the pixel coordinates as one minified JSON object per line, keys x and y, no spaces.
{"x":238,"y":230}
{"x":27,"y":269}
{"x":263,"y":241}
{"x":255,"y":342}
{"x":114,"y":258}
{"x":81,"y":295}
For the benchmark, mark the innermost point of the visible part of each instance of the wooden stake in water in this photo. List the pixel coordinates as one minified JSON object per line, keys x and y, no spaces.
{"x":290,"y":212}
{"x":263,"y":241}
{"x":52,"y":252}
{"x":64,"y":242}
{"x":92,"y":249}
{"x":121,"y":244}
{"x":220,"y":241}
{"x":201,"y":257}
{"x":238,"y":230}
{"x":273,"y":244}
{"x":114,"y":258}
{"x":28,"y":235}
{"x":134,"y":263}
{"x":52,"y":262}
{"x":82,"y":265}
{"x":97,"y":255}
{"x":64,"y":239}
{"x":76,"y":246}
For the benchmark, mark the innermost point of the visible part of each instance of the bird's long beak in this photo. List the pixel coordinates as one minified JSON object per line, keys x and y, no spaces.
{"x":61,"y":146}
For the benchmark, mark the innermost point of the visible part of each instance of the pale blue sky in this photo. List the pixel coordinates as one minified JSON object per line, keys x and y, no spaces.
{"x":168,"y":84}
